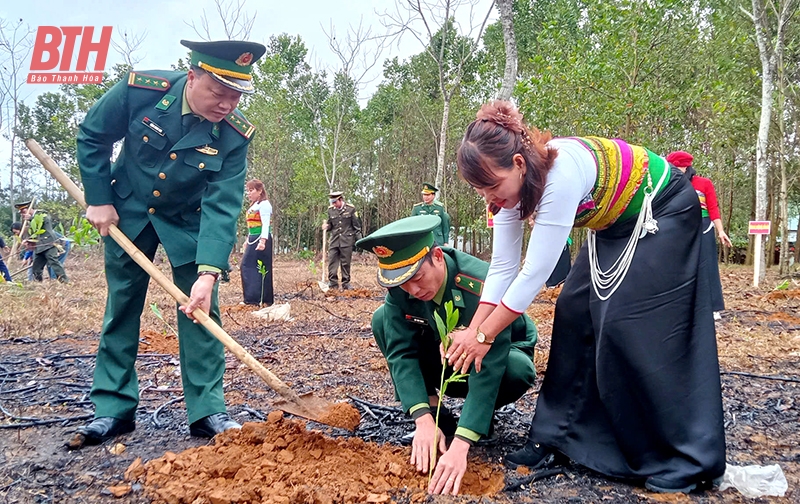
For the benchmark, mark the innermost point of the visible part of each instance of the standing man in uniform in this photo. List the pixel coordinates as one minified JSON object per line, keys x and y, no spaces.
{"x":431,"y":206}
{"x":178,"y":181}
{"x":43,"y":241}
{"x":421,"y":278}
{"x":345,"y":226}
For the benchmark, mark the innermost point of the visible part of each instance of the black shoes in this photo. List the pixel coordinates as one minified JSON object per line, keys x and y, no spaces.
{"x":532,"y":455}
{"x":447,"y":422}
{"x":104,"y":428}
{"x":679,"y":485}
{"x":212,"y":425}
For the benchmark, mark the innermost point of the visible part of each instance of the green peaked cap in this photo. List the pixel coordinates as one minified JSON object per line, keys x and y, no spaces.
{"x":401,"y":246}
{"x":428,"y":188}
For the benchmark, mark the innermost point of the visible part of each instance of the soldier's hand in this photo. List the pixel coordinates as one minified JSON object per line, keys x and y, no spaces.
{"x":202,"y":290}
{"x":450,"y":469}
{"x":422,"y":448}
{"x":102,"y":217}
{"x":325,"y":226}
{"x":262,"y":244}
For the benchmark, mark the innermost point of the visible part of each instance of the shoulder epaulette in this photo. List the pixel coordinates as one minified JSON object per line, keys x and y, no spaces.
{"x":145,"y":81}
{"x":240,"y":124}
{"x":469,"y":284}
{"x":437,"y":202}
{"x":349,"y":204}
{"x":418,"y":204}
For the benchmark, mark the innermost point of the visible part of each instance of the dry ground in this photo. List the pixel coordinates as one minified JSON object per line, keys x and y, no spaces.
{"x":48,"y":334}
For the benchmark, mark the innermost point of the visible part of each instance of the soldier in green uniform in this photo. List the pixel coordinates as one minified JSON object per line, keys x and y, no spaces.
{"x":44,"y":242}
{"x":345,"y":228}
{"x":178,"y":181}
{"x":431,"y":206}
{"x":421,"y":278}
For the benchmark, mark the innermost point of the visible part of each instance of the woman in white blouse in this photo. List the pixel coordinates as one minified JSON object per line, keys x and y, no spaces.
{"x":257,"y":278}
{"x":632,"y":387}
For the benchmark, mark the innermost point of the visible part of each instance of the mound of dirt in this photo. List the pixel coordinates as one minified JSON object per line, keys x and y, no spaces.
{"x":155,"y":342}
{"x":281,"y":461}
{"x":341,"y":415}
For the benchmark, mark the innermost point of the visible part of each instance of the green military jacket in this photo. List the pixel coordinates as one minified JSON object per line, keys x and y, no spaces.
{"x":405,"y":315}
{"x":345,"y":226}
{"x":441,"y":235}
{"x":189,"y":187}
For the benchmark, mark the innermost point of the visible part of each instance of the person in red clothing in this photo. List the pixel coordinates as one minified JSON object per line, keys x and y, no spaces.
{"x":711,"y":219}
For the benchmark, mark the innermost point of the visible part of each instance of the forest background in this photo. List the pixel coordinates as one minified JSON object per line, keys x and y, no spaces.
{"x":716,"y":78}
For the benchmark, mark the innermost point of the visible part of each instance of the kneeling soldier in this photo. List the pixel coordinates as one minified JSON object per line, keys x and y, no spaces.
{"x":421,"y":278}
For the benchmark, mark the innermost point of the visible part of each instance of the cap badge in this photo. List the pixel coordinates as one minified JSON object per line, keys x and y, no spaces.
{"x":382,"y":251}
{"x":245,"y":59}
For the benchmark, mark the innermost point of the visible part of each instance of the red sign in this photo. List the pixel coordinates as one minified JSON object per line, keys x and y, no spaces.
{"x":51,"y":62}
{"x":758,"y":227}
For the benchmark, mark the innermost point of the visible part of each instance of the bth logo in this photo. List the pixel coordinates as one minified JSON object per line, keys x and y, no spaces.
{"x":53,"y":51}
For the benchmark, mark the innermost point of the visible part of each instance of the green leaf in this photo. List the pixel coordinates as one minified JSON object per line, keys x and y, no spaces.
{"x":154,"y":309}
{"x":445,"y":339}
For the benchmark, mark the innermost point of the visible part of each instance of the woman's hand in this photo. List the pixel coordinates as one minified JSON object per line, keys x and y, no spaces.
{"x":465,"y":349}
{"x":450,"y":469}
{"x":725,"y":239}
{"x":262,"y":244}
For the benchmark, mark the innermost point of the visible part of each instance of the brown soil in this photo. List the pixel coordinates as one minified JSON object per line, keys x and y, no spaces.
{"x":341,"y":415}
{"x":154,"y":342}
{"x":282,"y":461}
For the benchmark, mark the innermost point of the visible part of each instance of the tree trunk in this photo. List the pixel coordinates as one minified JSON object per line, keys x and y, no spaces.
{"x":442,"y":143}
{"x":767,"y":70}
{"x":510,"y":75}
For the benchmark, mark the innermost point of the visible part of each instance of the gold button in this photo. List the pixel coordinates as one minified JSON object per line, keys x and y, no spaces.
{"x":201,"y":165}
{"x":151,"y":210}
{"x":156,"y":193}
{"x":162,"y":175}
{"x":173,"y":156}
{"x":145,"y":139}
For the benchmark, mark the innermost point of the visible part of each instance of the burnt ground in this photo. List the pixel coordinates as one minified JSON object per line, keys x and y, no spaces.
{"x":48,"y":334}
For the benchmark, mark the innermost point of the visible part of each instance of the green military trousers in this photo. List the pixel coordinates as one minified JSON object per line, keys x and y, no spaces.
{"x":115,"y":390}
{"x":520,"y":372}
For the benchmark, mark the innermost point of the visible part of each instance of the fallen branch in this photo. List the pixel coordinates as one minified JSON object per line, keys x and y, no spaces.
{"x":36,"y":422}
{"x":158,"y":410}
{"x":539,"y":475}
{"x":363,"y":403}
{"x":763,"y":377}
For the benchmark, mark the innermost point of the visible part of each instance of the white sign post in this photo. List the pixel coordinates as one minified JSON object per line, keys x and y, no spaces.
{"x":758,"y":229}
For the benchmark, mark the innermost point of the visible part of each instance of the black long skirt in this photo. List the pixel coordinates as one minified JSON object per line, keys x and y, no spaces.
{"x":251,"y":277}
{"x":710,"y":252}
{"x":561,"y":270}
{"x":632,"y":387}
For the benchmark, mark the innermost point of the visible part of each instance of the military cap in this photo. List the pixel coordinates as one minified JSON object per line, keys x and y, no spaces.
{"x":428,"y":188}
{"x":334,"y":195}
{"x":229,"y":62}
{"x":401,"y":247}
{"x":23,"y":206}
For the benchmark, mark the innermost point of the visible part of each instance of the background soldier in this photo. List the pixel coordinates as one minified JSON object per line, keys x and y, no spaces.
{"x":178,"y":181}
{"x":431,"y":206}
{"x":345,"y":228}
{"x":43,"y":241}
